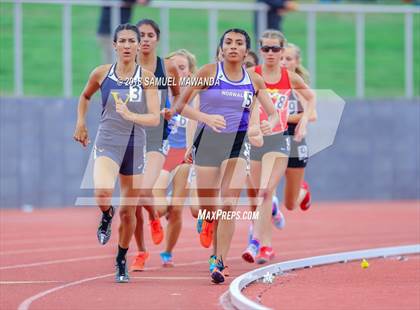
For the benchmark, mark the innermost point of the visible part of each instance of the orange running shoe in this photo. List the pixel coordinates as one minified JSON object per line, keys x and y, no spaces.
{"x":206,"y":235}
{"x":156,"y":230}
{"x":139,"y":260}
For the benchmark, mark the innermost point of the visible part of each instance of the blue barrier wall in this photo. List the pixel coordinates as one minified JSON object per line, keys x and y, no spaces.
{"x":375,"y":154}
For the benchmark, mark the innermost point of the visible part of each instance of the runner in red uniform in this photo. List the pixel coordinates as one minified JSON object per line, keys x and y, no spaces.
{"x":270,"y":151}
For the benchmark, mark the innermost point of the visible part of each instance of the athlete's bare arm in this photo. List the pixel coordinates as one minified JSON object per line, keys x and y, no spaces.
{"x":266,"y":102}
{"x":216,"y":122}
{"x":255,"y":135}
{"x":295,"y":118}
{"x":254,"y":131}
{"x":173,"y":73}
{"x":192,"y":125}
{"x":93,"y":84}
{"x":308,"y":104}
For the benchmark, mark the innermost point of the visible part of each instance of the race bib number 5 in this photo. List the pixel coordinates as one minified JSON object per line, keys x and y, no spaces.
{"x":247,"y":100}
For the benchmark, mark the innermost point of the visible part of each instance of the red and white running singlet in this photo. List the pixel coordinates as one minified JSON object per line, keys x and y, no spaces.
{"x":279,"y":93}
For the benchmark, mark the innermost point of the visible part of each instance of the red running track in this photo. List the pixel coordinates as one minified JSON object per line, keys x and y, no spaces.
{"x":50,"y":259}
{"x":387,"y":284}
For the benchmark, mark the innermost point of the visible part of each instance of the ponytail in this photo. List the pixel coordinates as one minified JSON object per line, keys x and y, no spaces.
{"x":300,"y":69}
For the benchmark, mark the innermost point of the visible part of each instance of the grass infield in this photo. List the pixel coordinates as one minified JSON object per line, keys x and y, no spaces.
{"x":42,"y":47}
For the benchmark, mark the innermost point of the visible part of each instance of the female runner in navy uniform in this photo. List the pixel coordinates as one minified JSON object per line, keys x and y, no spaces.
{"x":296,"y":190}
{"x":119,"y":148}
{"x":157,"y":137}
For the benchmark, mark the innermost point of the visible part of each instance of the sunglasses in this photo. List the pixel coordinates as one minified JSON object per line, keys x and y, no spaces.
{"x":267,"y":48}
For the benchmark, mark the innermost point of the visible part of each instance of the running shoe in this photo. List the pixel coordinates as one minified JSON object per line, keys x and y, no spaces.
{"x":251,"y":251}
{"x":121,"y":274}
{"x":139,"y":260}
{"x":277,"y":216}
{"x":306,"y":201}
{"x":104,"y":229}
{"x":206,"y":235}
{"x":199,"y":225}
{"x":166,"y":258}
{"x":266,"y":254}
{"x":156,"y":230}
{"x":217,"y":275}
{"x":250,"y":232}
{"x":212,"y":262}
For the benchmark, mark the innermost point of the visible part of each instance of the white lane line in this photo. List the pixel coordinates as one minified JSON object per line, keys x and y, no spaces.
{"x":88,"y":258}
{"x":58,"y":261}
{"x":62,"y":248}
{"x":240,"y":301}
{"x":27,"y":302}
{"x":53,"y":249}
{"x":28,"y":282}
{"x":90,"y":245}
{"x":76,"y":247}
{"x":5,"y":241}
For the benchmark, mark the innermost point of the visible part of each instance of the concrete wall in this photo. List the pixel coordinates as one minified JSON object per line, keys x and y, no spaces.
{"x":375,"y":154}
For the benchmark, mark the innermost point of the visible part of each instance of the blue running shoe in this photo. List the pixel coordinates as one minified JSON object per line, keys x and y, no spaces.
{"x":104,"y":230}
{"x":121,"y":274}
{"x":212,"y":262}
{"x":250,"y":232}
{"x":251,"y":251}
{"x":217,"y":275}
{"x":277,"y":216}
{"x":166,"y":258}
{"x":199,"y":225}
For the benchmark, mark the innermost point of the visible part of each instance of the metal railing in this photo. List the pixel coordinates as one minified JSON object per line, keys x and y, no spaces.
{"x":213,"y":8}
{"x":361,"y":11}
